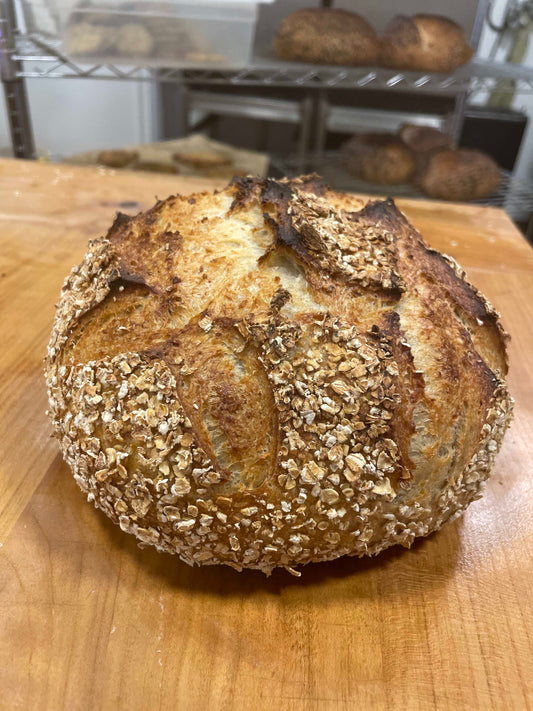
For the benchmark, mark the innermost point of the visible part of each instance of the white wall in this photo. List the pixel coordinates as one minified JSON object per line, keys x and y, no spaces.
{"x":75,"y":115}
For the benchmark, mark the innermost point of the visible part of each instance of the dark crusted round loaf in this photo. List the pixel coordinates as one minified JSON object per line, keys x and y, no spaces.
{"x":429,"y":43}
{"x":381,"y":158}
{"x":459,"y":175}
{"x":275,"y":374}
{"x":326,"y":36}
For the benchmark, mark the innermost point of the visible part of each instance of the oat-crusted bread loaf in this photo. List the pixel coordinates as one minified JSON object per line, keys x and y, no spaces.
{"x":381,"y":158}
{"x":326,"y":36}
{"x":429,"y":43}
{"x":275,"y":374}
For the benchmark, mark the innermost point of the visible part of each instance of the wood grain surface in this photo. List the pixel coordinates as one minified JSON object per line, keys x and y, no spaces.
{"x":90,"y":621}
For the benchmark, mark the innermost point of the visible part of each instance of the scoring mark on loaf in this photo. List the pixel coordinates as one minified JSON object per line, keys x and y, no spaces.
{"x":225,"y":392}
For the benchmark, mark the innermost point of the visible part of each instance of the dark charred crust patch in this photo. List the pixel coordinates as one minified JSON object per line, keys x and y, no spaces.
{"x":276,"y":193}
{"x":120,"y":220}
{"x":245,"y":190}
{"x":382,"y":212}
{"x":311,"y":183}
{"x":459,"y":290}
{"x":280,"y":298}
{"x":128,"y":277}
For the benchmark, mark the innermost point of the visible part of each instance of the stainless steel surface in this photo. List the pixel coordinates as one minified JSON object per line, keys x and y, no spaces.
{"x":344,"y":119}
{"x":250,"y":106}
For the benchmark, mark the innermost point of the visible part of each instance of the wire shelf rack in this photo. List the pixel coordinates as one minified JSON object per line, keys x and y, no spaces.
{"x":42,"y":57}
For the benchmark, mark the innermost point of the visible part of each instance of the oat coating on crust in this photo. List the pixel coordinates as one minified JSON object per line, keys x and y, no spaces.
{"x":255,"y":377}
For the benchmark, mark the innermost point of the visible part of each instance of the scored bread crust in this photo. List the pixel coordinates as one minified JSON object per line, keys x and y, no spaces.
{"x":275,"y":374}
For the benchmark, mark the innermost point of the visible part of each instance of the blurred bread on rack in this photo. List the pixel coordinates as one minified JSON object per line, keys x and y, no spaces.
{"x":460,"y":175}
{"x":327,"y":36}
{"x":423,"y":142}
{"x":380,"y":158}
{"x":424,"y":139}
{"x":424,"y":157}
{"x":136,"y":30}
{"x":429,"y":43}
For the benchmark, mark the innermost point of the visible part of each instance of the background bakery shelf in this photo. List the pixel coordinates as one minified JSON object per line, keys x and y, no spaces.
{"x":514,"y":196}
{"x":39,"y":57}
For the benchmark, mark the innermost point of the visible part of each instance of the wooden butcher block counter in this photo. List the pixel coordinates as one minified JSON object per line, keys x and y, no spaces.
{"x":90,"y":621}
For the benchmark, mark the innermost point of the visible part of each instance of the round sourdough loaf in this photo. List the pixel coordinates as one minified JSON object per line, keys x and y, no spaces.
{"x":275,"y":374}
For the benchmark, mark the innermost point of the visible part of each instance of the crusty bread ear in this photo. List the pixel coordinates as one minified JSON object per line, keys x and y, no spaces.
{"x":275,"y":374}
{"x":429,"y":43}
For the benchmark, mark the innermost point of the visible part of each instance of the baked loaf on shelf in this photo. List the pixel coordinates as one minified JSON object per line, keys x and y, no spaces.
{"x":424,"y":139}
{"x":459,"y":175}
{"x":381,"y":158}
{"x":275,"y":374}
{"x":429,"y":43}
{"x":327,"y":36}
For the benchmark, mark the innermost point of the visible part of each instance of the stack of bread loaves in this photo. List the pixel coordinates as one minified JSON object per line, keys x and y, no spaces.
{"x":425,"y":157}
{"x":334,"y":36}
{"x":275,"y":374}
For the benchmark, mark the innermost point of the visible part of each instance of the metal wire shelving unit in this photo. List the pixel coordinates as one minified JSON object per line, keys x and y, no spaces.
{"x":39,"y":57}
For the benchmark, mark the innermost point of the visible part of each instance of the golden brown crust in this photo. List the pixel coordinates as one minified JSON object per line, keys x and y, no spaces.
{"x":460,"y":175}
{"x":271,"y":376}
{"x":381,"y":158}
{"x":326,"y":36}
{"x":428,"y":43}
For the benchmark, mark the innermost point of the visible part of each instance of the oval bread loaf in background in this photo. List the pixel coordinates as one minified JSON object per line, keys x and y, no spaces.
{"x":428,"y":43}
{"x":381,"y":158}
{"x":462,"y":174}
{"x":327,"y":36}
{"x":275,"y":374}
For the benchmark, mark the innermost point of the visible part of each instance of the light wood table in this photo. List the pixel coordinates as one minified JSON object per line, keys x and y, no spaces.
{"x":89,"y":621}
